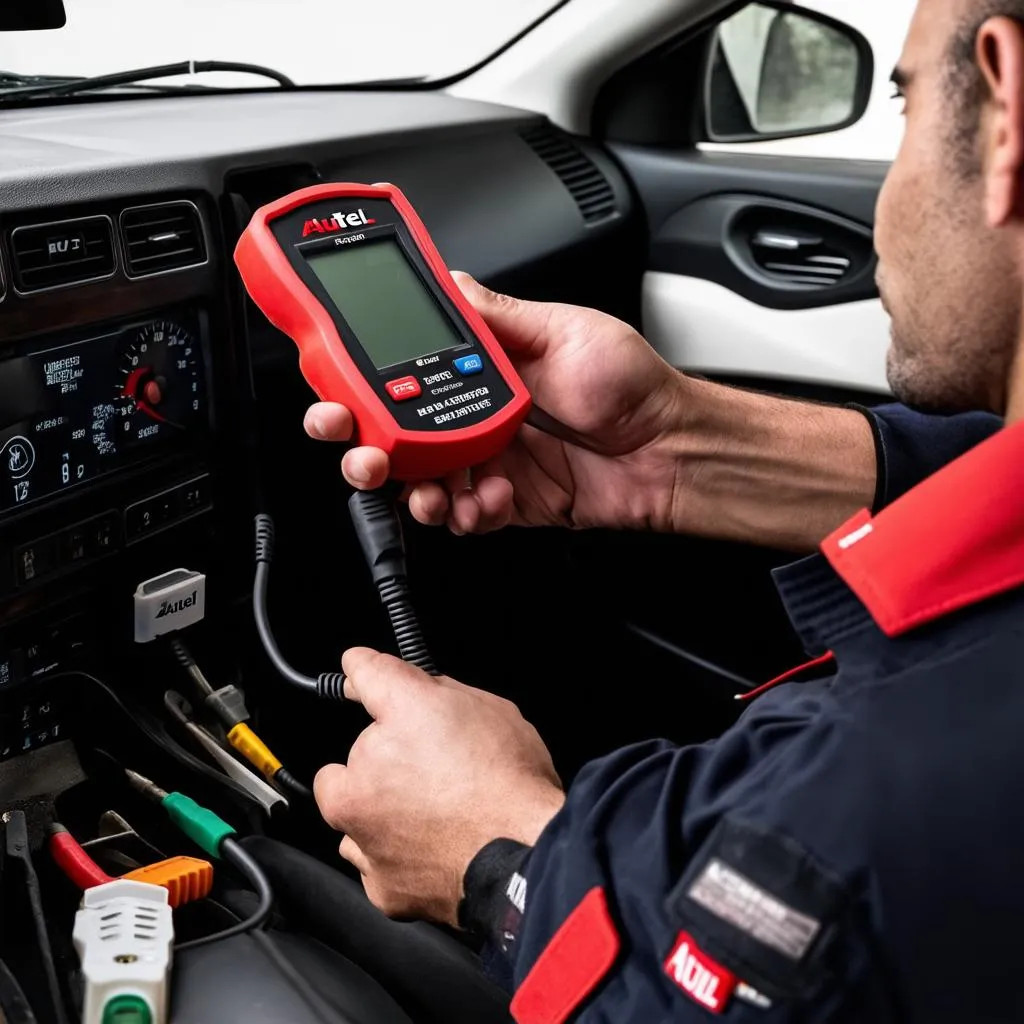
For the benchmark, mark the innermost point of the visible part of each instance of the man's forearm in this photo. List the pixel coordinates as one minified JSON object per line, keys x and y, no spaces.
{"x":771,"y":471}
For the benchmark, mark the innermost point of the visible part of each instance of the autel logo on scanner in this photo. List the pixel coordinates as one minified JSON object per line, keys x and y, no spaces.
{"x":336,"y":222}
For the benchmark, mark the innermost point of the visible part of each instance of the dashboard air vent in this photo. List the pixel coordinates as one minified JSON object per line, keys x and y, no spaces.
{"x":61,"y":253}
{"x":580,"y":175}
{"x":161,"y":238}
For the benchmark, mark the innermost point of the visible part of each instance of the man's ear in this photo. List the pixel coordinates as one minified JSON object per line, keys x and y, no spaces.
{"x":1000,"y":55}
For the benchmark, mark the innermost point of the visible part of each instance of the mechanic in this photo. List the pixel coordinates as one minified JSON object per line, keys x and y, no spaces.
{"x":848,"y":850}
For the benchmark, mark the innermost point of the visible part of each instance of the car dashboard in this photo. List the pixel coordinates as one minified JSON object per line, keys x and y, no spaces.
{"x":148,"y":411}
{"x":115,"y":259}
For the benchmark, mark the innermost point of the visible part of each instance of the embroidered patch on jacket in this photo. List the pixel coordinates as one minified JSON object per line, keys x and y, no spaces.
{"x":704,"y":980}
{"x":762,"y":906}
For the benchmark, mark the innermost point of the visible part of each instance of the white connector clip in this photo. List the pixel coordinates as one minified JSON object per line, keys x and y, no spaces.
{"x":124,"y":937}
{"x":165,"y":603}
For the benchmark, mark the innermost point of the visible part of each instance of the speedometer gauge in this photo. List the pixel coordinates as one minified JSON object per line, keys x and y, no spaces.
{"x":75,"y":407}
{"x":159,"y":392}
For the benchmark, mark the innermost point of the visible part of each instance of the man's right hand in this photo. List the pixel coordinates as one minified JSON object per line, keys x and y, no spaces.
{"x":598,"y":377}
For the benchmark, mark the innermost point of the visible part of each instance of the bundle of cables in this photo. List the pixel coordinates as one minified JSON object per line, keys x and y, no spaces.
{"x":186,"y":878}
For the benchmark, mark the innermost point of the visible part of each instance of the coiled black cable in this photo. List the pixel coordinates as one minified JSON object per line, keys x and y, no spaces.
{"x":375,"y":518}
{"x":397,"y":601}
{"x":329,"y":685}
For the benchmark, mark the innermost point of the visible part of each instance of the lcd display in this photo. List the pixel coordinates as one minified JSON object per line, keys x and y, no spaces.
{"x":385,"y":302}
{"x":70,"y":413}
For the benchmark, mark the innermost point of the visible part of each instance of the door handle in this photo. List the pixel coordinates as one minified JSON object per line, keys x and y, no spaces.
{"x":799,"y":258}
{"x":784,"y":240}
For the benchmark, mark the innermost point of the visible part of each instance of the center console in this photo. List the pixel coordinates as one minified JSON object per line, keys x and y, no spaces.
{"x":112,"y":327}
{"x":89,"y":406}
{"x":129,"y":449}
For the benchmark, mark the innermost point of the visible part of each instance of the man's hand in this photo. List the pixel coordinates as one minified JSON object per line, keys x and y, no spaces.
{"x":676,"y":454}
{"x":590,"y":371}
{"x":442,"y":770}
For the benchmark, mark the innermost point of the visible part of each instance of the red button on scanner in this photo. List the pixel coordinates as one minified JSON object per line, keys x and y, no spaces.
{"x":404,"y":388}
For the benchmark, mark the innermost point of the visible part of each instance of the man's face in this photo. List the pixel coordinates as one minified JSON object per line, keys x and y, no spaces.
{"x":950,"y":282}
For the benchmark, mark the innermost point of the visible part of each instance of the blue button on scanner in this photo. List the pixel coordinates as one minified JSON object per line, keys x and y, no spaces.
{"x":468,"y":365}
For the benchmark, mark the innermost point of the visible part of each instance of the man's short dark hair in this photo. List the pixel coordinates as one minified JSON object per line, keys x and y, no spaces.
{"x":966,"y":86}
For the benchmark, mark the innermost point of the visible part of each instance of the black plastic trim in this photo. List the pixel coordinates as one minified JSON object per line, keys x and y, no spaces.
{"x":583,"y":179}
{"x":657,"y":99}
{"x":706,"y":239}
{"x":668,"y":179}
{"x":692,"y":200}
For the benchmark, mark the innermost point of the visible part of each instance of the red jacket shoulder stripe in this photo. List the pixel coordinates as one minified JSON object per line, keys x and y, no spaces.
{"x":578,"y":956}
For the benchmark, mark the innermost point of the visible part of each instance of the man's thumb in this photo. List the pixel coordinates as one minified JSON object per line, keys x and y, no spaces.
{"x":519,"y":325}
{"x":376,"y":680}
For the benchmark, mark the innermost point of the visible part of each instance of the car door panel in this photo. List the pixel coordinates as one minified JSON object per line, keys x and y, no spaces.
{"x":723,"y":302}
{"x":668,"y":179}
{"x":709,"y":329}
{"x":762,"y":267}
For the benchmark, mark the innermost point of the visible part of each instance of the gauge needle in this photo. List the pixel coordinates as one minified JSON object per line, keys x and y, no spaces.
{"x":152,"y":394}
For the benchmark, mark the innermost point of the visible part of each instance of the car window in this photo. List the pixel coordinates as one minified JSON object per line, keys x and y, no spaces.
{"x":877,"y":135}
{"x":310,"y":41}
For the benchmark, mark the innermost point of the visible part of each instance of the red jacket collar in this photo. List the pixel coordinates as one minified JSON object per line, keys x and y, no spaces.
{"x":954,"y":540}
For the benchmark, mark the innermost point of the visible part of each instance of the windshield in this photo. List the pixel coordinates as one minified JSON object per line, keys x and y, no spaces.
{"x":314,"y":42}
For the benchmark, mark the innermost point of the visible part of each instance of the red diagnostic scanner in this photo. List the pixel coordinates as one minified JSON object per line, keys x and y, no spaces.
{"x":350,"y":274}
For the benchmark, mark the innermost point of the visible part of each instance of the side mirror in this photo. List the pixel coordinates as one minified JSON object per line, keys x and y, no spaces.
{"x":31,"y":15}
{"x":775,"y":72}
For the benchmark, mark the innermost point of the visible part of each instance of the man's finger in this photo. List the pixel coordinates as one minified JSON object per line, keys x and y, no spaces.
{"x":428,"y":504}
{"x":488,"y":506}
{"x":330,"y":792}
{"x":377,"y":680}
{"x":494,"y":495}
{"x":328,"y":421}
{"x":365,"y":468}
{"x":349,"y":849}
{"x":465,"y":514}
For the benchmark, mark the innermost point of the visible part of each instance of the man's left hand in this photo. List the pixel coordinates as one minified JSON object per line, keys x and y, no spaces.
{"x":441,"y":771}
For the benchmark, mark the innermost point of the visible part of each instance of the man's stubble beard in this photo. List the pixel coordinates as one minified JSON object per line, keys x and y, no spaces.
{"x":965,"y":365}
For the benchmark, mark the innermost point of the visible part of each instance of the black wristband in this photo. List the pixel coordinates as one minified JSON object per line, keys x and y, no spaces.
{"x":494,"y":893}
{"x":881,"y":472}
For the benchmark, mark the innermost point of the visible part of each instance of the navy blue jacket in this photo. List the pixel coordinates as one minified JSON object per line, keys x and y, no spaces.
{"x":849,"y":850}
